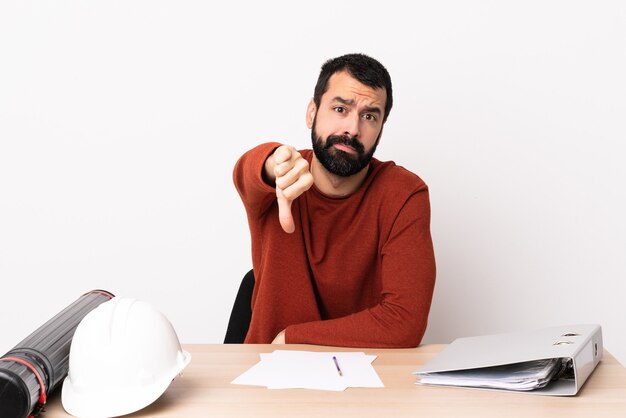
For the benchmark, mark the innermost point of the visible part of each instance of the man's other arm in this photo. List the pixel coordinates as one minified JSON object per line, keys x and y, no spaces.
{"x":408,"y":279}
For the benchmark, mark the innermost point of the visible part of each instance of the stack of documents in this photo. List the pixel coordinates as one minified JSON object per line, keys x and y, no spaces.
{"x":284,"y":369}
{"x":528,"y":375}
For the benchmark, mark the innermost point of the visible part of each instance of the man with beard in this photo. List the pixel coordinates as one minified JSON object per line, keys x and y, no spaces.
{"x":341,"y":247}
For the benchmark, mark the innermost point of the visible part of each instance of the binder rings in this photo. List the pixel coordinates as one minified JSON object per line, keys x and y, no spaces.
{"x":579,"y":347}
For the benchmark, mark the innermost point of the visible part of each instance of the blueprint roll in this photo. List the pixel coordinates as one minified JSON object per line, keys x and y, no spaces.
{"x":37,"y":365}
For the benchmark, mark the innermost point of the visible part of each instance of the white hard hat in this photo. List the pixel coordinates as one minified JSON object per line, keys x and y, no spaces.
{"x":123,"y":356}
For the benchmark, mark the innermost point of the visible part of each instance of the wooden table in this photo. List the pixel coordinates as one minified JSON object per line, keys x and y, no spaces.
{"x":204,"y":390}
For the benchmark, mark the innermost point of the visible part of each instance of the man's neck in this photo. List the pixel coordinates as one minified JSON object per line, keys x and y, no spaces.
{"x":333,"y":185}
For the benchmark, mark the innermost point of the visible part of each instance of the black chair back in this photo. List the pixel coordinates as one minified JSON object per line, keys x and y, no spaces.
{"x":241,"y":314}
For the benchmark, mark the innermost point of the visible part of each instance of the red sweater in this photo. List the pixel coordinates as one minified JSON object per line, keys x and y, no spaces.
{"x":359,"y":271}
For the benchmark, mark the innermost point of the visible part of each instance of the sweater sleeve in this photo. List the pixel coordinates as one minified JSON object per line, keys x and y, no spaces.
{"x":256,"y":195}
{"x":408,"y":279}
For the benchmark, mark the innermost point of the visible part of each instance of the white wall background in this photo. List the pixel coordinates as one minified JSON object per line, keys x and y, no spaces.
{"x":120,"y":122}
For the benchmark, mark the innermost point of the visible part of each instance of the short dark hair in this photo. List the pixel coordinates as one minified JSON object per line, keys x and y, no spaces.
{"x":365,"y":69}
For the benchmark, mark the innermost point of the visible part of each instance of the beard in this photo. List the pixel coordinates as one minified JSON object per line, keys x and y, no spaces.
{"x":340,"y":162}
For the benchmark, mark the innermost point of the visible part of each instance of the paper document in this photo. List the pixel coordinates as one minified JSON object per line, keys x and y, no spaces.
{"x":285,"y":369}
{"x":519,"y":376}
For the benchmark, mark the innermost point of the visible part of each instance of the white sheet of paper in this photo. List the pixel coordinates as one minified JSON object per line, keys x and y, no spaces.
{"x":285,"y":369}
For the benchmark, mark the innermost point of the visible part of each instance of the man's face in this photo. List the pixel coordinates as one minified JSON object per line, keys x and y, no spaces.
{"x":346,"y":128}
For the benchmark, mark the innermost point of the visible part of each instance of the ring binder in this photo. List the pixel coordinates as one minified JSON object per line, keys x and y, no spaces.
{"x":470,"y":361}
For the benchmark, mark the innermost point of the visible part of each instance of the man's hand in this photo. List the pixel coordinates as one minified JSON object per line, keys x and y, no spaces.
{"x":290,"y":172}
{"x":280,"y":338}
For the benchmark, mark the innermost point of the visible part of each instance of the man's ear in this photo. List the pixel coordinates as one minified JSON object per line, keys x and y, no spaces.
{"x":310,"y":113}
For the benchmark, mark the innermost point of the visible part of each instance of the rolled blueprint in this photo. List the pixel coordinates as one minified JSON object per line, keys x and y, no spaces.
{"x":37,"y":366}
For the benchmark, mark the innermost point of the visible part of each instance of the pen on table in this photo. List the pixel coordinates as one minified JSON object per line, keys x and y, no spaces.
{"x":337,"y":366}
